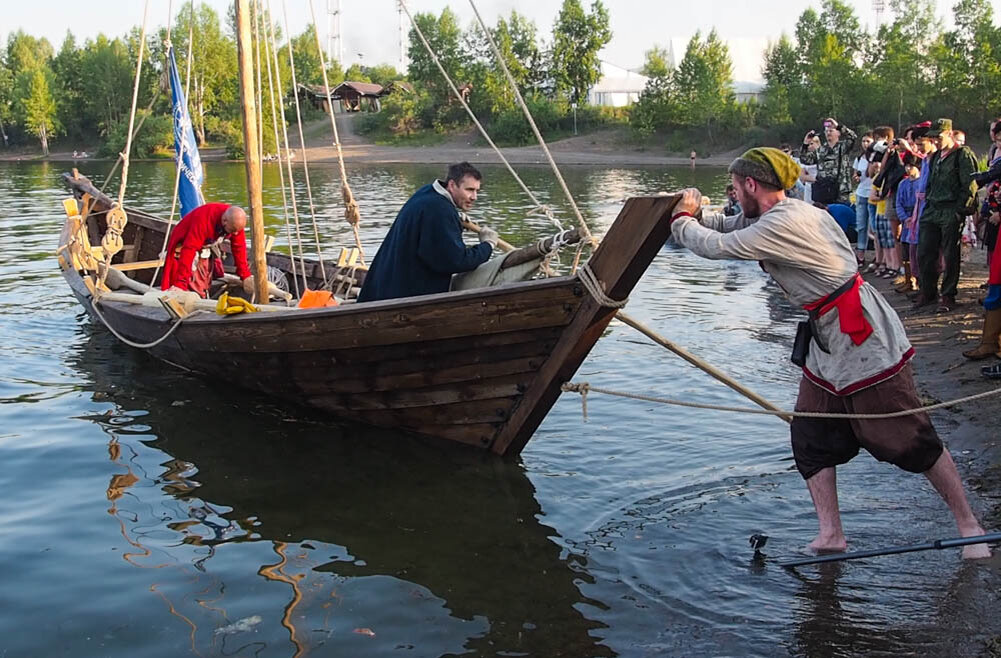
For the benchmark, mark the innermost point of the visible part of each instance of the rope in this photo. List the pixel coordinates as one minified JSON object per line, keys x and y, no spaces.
{"x":278,"y":150}
{"x":270,"y":28}
{"x":535,"y":129}
{"x":142,"y":346}
{"x":142,"y":120}
{"x":351,"y":213}
{"x":483,"y":132}
{"x":177,"y":175}
{"x":132,"y":114}
{"x":302,"y":147}
{"x":259,"y":91}
{"x":593,"y":286}
{"x":585,"y":388}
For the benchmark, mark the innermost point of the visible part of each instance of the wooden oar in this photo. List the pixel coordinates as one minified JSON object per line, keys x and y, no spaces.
{"x":471,"y":226}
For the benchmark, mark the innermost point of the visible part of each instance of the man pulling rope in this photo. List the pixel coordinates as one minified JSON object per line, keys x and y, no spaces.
{"x":853,"y":349}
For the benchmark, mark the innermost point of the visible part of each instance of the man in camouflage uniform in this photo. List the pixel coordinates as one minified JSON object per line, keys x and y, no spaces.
{"x":949,"y":189}
{"x":834,"y":163}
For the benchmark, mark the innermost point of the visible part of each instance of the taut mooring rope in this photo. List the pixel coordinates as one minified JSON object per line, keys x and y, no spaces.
{"x":584,"y":388}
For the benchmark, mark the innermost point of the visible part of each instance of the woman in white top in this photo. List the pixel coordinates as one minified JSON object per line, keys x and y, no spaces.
{"x":865,"y":213}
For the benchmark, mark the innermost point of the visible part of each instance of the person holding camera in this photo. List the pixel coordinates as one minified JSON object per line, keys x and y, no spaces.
{"x":950,"y":190}
{"x":833,"y":160}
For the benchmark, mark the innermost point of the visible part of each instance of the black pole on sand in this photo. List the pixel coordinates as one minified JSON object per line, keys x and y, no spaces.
{"x":927,"y":546}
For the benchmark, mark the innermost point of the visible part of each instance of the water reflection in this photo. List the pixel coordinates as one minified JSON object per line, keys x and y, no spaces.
{"x":365,"y":531}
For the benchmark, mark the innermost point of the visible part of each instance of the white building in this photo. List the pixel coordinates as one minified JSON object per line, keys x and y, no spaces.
{"x":617,"y":86}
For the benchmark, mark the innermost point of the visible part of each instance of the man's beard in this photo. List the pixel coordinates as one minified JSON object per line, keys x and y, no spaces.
{"x":751,"y":208}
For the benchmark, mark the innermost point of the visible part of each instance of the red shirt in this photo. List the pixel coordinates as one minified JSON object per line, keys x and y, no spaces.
{"x":200,"y":227}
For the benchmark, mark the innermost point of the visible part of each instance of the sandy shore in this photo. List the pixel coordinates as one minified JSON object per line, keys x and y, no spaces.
{"x":942,"y":373}
{"x":611,"y":147}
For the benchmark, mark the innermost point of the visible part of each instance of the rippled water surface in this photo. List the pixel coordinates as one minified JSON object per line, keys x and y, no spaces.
{"x":149,"y":512}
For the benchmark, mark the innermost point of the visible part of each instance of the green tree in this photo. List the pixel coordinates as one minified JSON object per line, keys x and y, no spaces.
{"x":657,"y":107}
{"x":381,"y":74}
{"x":214,"y":80}
{"x":69,"y":82}
{"x":656,"y":63}
{"x":108,"y":71}
{"x":356,"y":73}
{"x":40,"y":109}
{"x":444,"y":36}
{"x":704,"y":82}
{"x":577,"y":38}
{"x":6,"y":99}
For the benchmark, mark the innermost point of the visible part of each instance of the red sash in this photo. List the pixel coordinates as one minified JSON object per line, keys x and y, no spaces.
{"x":849,"y":305}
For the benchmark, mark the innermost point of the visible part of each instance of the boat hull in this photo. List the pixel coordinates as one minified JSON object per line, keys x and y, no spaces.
{"x":480,"y":367}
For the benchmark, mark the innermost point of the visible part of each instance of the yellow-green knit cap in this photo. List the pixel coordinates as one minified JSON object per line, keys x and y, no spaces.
{"x":767,"y":165}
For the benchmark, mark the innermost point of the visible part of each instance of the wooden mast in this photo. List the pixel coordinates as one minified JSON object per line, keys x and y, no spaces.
{"x":248,"y":106}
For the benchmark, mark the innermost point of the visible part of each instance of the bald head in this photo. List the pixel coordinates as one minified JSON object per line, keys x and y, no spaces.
{"x":234,"y":219}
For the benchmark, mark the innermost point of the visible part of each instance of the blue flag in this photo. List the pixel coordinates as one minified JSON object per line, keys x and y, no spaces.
{"x":189,"y":189}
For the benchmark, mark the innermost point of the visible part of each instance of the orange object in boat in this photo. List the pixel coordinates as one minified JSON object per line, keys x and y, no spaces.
{"x":317,"y":299}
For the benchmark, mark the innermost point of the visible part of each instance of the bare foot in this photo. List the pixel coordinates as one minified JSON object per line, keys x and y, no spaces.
{"x":833,"y":544}
{"x":976,"y":551}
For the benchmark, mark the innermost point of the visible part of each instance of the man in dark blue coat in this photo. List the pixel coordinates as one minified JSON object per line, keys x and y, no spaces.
{"x":424,"y":247}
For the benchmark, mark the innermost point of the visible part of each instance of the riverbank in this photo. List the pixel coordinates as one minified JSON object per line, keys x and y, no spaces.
{"x":969,"y":430}
{"x":942,"y":373}
{"x":614,"y":146}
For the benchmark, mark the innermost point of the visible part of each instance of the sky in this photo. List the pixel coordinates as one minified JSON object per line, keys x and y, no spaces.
{"x":370,"y":28}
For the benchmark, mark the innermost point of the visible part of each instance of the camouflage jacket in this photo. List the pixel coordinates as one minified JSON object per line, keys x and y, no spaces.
{"x":832,"y":159}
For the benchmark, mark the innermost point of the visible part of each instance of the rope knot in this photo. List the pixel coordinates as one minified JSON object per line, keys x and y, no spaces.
{"x":594,"y":286}
{"x":581,"y":388}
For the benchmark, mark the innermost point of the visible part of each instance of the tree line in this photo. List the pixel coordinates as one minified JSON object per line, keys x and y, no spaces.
{"x":909,"y":69}
{"x":553,"y":75}
{"x":83,"y":92}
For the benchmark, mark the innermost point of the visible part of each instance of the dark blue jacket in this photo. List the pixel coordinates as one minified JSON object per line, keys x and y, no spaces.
{"x":422,"y":250}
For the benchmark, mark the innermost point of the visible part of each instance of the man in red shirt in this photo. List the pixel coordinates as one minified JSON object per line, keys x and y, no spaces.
{"x":195,"y":236}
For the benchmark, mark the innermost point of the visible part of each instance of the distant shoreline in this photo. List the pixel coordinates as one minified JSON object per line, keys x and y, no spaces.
{"x":602,"y":148}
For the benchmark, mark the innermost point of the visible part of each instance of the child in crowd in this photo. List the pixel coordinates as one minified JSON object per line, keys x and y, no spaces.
{"x":906,"y":201}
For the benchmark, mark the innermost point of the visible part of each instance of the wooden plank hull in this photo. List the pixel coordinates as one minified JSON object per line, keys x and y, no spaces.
{"x":480,"y":367}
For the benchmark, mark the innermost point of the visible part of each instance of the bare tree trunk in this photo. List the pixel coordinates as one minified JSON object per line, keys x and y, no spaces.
{"x":45,"y":141}
{"x":3,"y":134}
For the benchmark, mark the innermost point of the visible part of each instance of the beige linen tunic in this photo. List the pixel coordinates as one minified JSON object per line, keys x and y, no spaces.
{"x":808,"y":255}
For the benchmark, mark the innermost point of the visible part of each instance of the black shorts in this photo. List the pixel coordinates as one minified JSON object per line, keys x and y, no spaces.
{"x":909,"y":442}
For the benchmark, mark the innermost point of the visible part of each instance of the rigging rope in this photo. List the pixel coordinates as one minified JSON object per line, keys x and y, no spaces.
{"x":302,"y":147}
{"x":586,"y":233}
{"x":270,"y":29}
{"x":281,"y":171}
{"x":584,"y":388}
{"x":351,"y":213}
{"x":132,"y":114}
{"x":434,"y":57}
{"x":180,"y":151}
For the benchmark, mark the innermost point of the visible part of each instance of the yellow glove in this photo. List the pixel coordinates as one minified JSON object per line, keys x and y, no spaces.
{"x":232,"y":305}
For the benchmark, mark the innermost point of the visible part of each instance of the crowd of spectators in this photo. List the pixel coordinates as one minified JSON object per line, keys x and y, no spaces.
{"x":908,"y":202}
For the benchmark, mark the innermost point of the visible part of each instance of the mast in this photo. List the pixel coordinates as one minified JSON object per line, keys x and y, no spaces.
{"x":248,"y":106}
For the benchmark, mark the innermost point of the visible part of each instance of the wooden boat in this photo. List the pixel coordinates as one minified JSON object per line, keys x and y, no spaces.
{"x":482,"y":367}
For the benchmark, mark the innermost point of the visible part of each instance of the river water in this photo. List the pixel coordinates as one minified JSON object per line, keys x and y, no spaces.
{"x":148,"y":511}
